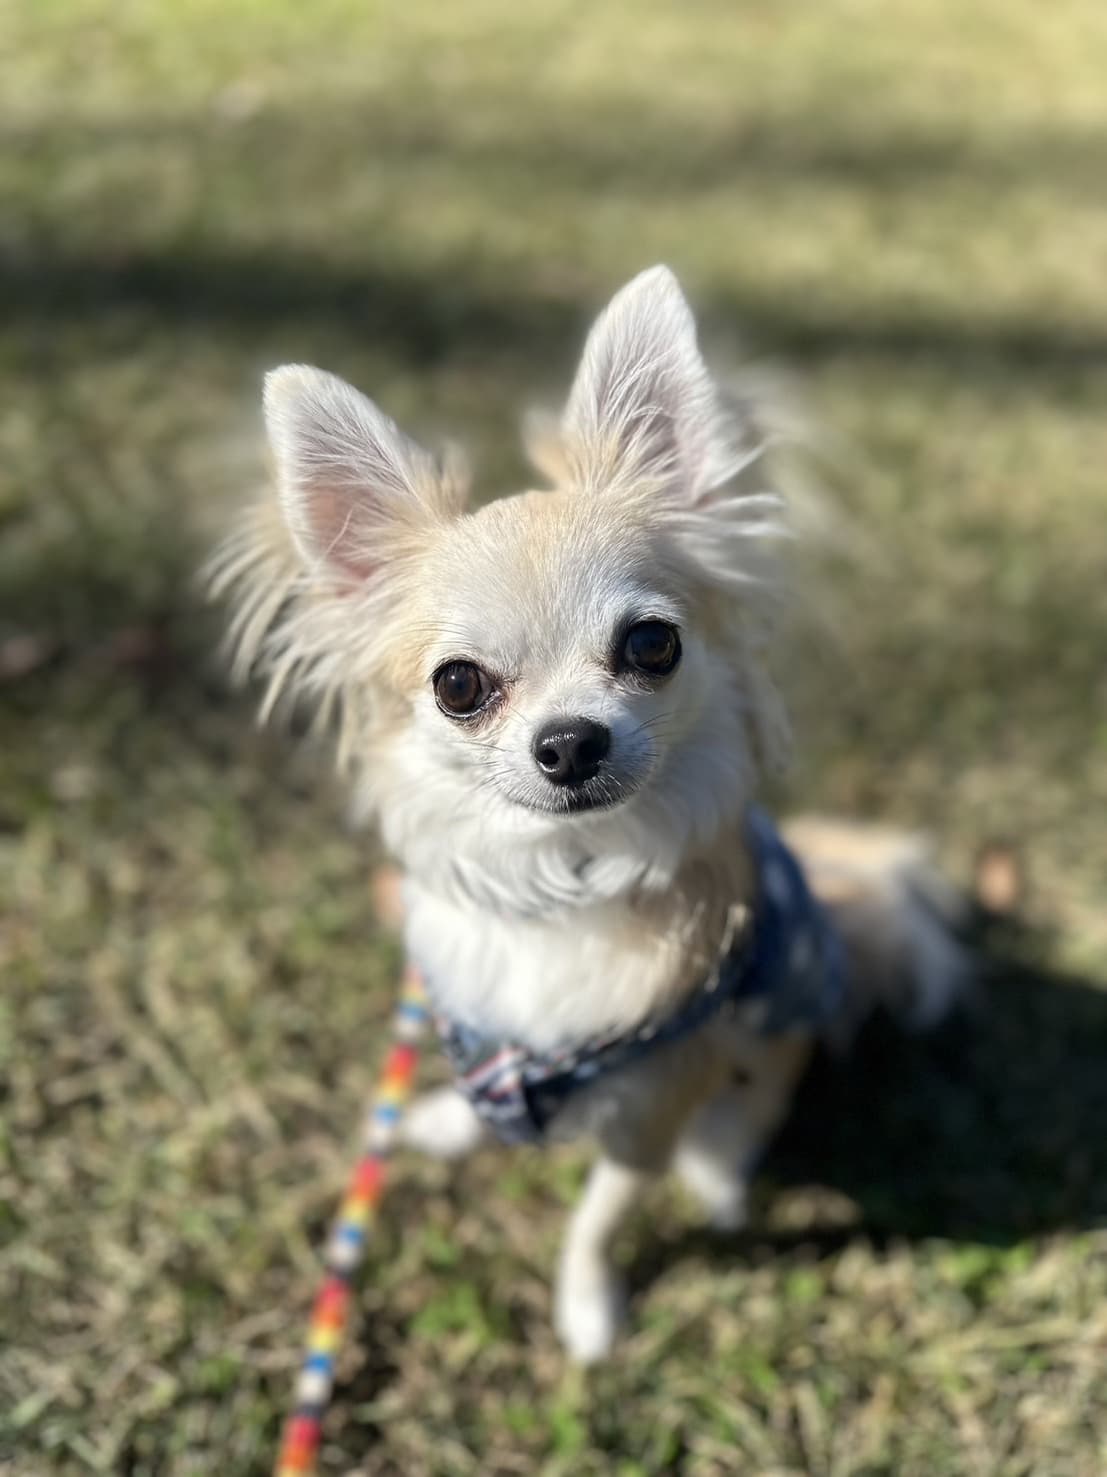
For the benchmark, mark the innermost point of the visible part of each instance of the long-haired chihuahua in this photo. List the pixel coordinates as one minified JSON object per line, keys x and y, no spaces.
{"x":556,"y":707}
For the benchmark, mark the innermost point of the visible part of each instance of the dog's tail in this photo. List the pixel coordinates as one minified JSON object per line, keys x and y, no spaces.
{"x":901,"y":922}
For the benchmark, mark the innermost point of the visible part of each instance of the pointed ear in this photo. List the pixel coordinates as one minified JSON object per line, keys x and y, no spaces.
{"x":350,"y":482}
{"x":643,"y":406}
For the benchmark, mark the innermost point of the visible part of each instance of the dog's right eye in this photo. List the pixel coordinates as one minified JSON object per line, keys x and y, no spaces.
{"x":652,"y":648}
{"x":461,"y":689}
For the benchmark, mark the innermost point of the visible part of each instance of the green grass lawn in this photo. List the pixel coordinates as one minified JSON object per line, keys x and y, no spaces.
{"x":902,"y":205}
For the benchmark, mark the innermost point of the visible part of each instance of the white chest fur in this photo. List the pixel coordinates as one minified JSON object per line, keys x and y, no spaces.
{"x":546,"y":981}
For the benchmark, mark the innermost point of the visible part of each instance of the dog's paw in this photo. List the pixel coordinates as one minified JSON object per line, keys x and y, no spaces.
{"x":589,"y":1315}
{"x":442,"y":1124}
{"x":728,"y":1210}
{"x":720,"y":1189}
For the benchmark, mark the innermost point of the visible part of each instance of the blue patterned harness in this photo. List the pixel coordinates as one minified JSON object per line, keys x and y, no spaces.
{"x":790,"y":957}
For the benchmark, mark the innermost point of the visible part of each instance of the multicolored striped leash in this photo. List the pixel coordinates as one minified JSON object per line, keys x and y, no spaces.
{"x":346,"y":1249}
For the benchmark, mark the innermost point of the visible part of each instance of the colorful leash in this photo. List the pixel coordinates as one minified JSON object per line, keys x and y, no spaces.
{"x":346,"y":1249}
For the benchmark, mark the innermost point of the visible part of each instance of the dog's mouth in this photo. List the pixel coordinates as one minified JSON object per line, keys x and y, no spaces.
{"x":605,"y":792}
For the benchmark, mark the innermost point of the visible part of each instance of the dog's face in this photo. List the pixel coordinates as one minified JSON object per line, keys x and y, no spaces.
{"x":558,"y":659}
{"x":562,"y":663}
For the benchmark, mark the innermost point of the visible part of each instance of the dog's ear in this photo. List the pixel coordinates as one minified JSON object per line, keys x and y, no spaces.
{"x":545,"y":446}
{"x":643,"y":407}
{"x":350,"y":482}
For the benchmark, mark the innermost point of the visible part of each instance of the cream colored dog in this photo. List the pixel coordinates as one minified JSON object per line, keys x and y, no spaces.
{"x":555,"y":707}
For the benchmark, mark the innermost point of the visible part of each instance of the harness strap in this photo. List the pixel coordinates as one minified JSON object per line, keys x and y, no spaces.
{"x":787,"y":955}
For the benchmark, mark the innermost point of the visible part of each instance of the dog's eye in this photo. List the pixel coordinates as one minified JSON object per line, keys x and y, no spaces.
{"x":460,"y":688}
{"x":652,"y":647}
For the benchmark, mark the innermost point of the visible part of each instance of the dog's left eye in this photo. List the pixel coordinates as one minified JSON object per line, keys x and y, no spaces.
{"x":461,"y":688}
{"x":652,"y":647}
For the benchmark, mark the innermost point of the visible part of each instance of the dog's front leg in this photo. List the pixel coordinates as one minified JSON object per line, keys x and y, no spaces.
{"x":589,"y":1297}
{"x":637,"y":1118}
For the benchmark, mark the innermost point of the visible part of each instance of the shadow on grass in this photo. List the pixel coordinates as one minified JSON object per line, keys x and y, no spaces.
{"x":423,"y":319}
{"x":86,"y":579}
{"x":991,"y":1131}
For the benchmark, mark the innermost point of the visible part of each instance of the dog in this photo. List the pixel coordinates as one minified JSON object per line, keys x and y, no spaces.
{"x":556,"y":708}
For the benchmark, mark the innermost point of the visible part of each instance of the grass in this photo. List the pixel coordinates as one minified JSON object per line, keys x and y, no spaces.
{"x":904,"y":206}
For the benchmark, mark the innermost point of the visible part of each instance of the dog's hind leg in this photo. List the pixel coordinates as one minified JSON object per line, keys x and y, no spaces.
{"x":719,"y":1150}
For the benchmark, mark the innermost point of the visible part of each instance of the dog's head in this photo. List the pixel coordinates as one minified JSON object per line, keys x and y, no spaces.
{"x":582,"y":657}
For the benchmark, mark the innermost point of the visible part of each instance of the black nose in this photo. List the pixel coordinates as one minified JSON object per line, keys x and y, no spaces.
{"x":570,"y":751}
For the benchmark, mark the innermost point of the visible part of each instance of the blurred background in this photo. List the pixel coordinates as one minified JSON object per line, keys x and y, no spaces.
{"x":902,"y":205}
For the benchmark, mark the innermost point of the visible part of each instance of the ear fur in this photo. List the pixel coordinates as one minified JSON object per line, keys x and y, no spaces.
{"x":349,"y":480}
{"x":643,"y":407}
{"x":318,"y":582}
{"x":544,"y":446}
